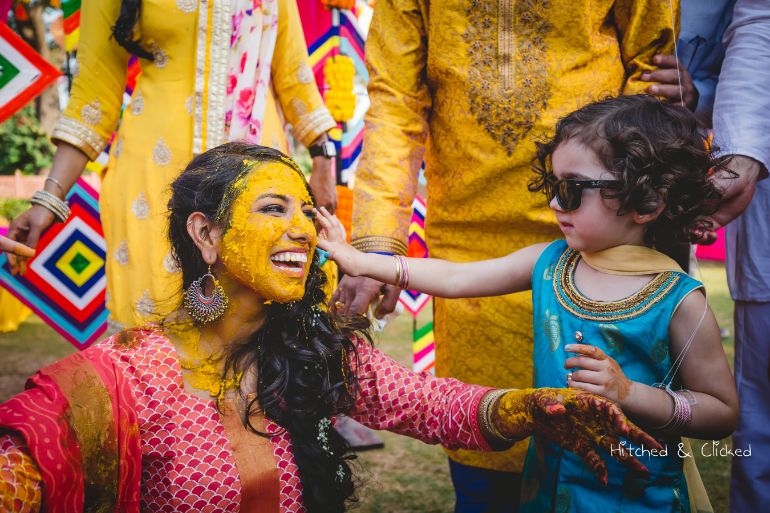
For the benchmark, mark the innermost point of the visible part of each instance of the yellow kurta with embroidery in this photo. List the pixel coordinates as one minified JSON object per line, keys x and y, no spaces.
{"x":468,"y":86}
{"x":155,"y":139}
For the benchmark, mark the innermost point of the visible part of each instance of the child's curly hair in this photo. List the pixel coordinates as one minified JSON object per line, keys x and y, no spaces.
{"x":656,"y":150}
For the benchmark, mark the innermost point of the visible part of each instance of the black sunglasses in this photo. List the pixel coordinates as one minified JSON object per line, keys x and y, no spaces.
{"x":569,"y":192}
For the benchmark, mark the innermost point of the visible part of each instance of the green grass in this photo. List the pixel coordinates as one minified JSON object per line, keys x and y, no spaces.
{"x":406,"y":476}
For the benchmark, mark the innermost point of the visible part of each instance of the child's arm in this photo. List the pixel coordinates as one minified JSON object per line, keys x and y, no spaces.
{"x":704,"y":372}
{"x":511,"y":273}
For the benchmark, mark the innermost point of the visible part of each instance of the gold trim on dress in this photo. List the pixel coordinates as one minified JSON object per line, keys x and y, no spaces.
{"x":313,"y":124}
{"x":378,"y":243}
{"x":201,"y":46}
{"x":632,"y":306}
{"x":80,"y":136}
{"x":218,"y":61}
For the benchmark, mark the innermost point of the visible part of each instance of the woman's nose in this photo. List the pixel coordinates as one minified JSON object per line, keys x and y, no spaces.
{"x":301,"y":228}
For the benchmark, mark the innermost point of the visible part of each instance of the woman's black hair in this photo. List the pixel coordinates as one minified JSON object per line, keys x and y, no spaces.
{"x":301,"y":353}
{"x":656,"y":150}
{"x":123,"y":30}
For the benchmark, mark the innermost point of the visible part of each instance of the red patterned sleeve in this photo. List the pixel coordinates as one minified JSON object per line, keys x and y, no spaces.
{"x":20,"y":481}
{"x":433,"y":410}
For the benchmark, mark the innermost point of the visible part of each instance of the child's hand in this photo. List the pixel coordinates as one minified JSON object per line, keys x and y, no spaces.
{"x":598,"y":374}
{"x":333,"y":239}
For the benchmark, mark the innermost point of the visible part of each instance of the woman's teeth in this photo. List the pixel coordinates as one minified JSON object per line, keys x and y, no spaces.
{"x":289,"y":257}
{"x":289,"y":260}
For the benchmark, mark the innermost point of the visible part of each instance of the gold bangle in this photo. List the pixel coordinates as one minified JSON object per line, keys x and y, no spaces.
{"x":57,"y":183}
{"x":485,"y":410}
{"x":379,"y":243}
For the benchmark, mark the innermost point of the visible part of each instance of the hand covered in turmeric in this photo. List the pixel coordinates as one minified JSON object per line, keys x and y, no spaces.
{"x":575,"y":420}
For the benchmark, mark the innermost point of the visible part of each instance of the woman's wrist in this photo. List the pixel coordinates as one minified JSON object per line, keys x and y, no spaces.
{"x":511,"y":415}
{"x":55,"y":187}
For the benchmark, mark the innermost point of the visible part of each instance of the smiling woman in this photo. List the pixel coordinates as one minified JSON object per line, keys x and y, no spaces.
{"x":270,"y":233}
{"x":235,"y":413}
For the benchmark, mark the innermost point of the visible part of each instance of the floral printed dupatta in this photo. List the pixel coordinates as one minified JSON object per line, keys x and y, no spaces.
{"x":236,"y":40}
{"x":78,"y":420}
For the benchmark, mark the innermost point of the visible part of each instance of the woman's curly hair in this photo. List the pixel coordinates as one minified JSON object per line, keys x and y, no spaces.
{"x":656,"y":150}
{"x":302,"y":354}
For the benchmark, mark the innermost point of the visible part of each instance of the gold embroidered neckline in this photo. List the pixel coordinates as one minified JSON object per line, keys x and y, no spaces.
{"x":572,"y":300}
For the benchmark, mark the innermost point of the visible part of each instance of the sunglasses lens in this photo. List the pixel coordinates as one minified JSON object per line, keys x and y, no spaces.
{"x":568,"y":195}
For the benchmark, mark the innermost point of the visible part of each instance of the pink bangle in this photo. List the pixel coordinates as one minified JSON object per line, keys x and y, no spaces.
{"x":682,"y":415}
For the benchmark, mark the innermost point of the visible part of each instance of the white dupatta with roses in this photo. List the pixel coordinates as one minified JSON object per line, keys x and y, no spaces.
{"x":234,"y":52}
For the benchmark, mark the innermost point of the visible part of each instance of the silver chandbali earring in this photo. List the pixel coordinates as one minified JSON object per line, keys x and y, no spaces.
{"x":203,"y":308}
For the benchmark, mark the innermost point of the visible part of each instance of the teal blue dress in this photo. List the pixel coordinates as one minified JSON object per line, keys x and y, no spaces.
{"x":633,"y":331}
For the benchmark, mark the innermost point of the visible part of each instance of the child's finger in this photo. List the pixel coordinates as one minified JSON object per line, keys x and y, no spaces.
{"x":322,"y":219}
{"x":588,"y":387}
{"x":583,"y":362}
{"x":586,"y":350}
{"x":586,"y":376}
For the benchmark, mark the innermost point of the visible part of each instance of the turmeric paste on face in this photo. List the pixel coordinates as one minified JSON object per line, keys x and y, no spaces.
{"x":270,"y":233}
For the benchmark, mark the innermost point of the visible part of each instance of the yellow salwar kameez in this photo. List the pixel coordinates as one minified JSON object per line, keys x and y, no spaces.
{"x":468,"y":87}
{"x":176,"y":109}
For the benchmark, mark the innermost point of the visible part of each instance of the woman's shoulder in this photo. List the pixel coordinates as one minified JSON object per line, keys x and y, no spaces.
{"x":134,"y":349}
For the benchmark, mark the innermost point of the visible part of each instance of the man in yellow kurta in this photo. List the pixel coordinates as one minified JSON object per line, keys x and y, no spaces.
{"x":466,"y":88}
{"x":179,"y":107}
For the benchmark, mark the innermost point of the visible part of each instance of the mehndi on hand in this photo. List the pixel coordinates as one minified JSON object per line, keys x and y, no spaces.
{"x":575,"y":420}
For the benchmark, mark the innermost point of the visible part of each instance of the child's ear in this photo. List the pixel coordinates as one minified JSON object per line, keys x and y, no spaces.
{"x":650,"y":216}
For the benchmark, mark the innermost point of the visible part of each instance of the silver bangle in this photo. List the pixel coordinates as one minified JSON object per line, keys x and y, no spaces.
{"x":47,"y":200}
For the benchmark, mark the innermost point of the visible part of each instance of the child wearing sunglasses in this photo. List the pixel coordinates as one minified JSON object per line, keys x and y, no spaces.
{"x":612,"y":315}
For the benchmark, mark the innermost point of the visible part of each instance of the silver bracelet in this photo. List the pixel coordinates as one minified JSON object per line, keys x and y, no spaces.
{"x":47,"y":200}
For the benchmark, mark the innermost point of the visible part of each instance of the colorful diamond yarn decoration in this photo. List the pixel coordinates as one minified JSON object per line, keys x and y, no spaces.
{"x":71,"y":13}
{"x":337,"y":32}
{"x":412,"y":300}
{"x":423,"y":343}
{"x":65,"y":282}
{"x":424,"y":349}
{"x":23,"y":73}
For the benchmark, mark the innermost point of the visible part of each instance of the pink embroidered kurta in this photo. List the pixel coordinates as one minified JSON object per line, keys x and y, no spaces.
{"x":187,"y":458}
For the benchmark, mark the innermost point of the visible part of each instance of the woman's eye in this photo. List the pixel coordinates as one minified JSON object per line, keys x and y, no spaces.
{"x":273,"y":209}
{"x":309,"y":214}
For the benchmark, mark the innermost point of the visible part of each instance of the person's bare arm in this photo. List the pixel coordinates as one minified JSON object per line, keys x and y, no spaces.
{"x":704,"y":372}
{"x":68,"y":164}
{"x":504,"y":275}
